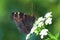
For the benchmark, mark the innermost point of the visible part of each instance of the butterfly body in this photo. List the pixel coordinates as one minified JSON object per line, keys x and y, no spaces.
{"x":24,"y":22}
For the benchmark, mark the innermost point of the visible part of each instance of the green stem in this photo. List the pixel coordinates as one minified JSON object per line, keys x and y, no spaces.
{"x":52,"y":36}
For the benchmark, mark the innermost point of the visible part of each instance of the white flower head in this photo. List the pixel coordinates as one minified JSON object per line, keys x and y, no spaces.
{"x":33,"y":29}
{"x":48,"y":15}
{"x":36,"y":22}
{"x":48,"y":21}
{"x":43,"y":33}
{"x":27,"y":37}
{"x":40,"y":24}
{"x":41,"y":19}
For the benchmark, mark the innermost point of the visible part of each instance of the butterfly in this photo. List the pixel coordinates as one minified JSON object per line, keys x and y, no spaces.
{"x":23,"y":21}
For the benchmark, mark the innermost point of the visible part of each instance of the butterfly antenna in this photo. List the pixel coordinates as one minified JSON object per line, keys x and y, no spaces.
{"x":32,"y":11}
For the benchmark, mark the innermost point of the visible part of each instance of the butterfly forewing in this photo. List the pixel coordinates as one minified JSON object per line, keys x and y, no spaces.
{"x":24,"y":22}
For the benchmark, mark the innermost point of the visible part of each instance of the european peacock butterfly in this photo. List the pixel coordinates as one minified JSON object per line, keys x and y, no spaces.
{"x":23,"y":21}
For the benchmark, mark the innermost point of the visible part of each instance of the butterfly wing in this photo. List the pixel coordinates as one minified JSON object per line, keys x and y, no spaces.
{"x":24,"y":22}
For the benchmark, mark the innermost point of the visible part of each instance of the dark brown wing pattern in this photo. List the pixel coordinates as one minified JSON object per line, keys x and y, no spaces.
{"x":24,"y":22}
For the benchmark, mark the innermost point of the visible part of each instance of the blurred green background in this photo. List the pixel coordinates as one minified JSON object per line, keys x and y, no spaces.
{"x":8,"y":30}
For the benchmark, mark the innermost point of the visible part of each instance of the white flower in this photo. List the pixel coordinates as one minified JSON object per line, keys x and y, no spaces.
{"x":36,"y":22}
{"x":27,"y":37}
{"x":41,"y":19}
{"x":48,"y":15}
{"x":48,"y":21}
{"x":40,"y":24}
{"x":33,"y":29}
{"x":43,"y":33}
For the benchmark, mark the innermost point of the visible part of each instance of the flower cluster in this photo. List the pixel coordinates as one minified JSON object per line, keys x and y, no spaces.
{"x":46,"y":20}
{"x":43,"y":32}
{"x":38,"y":23}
